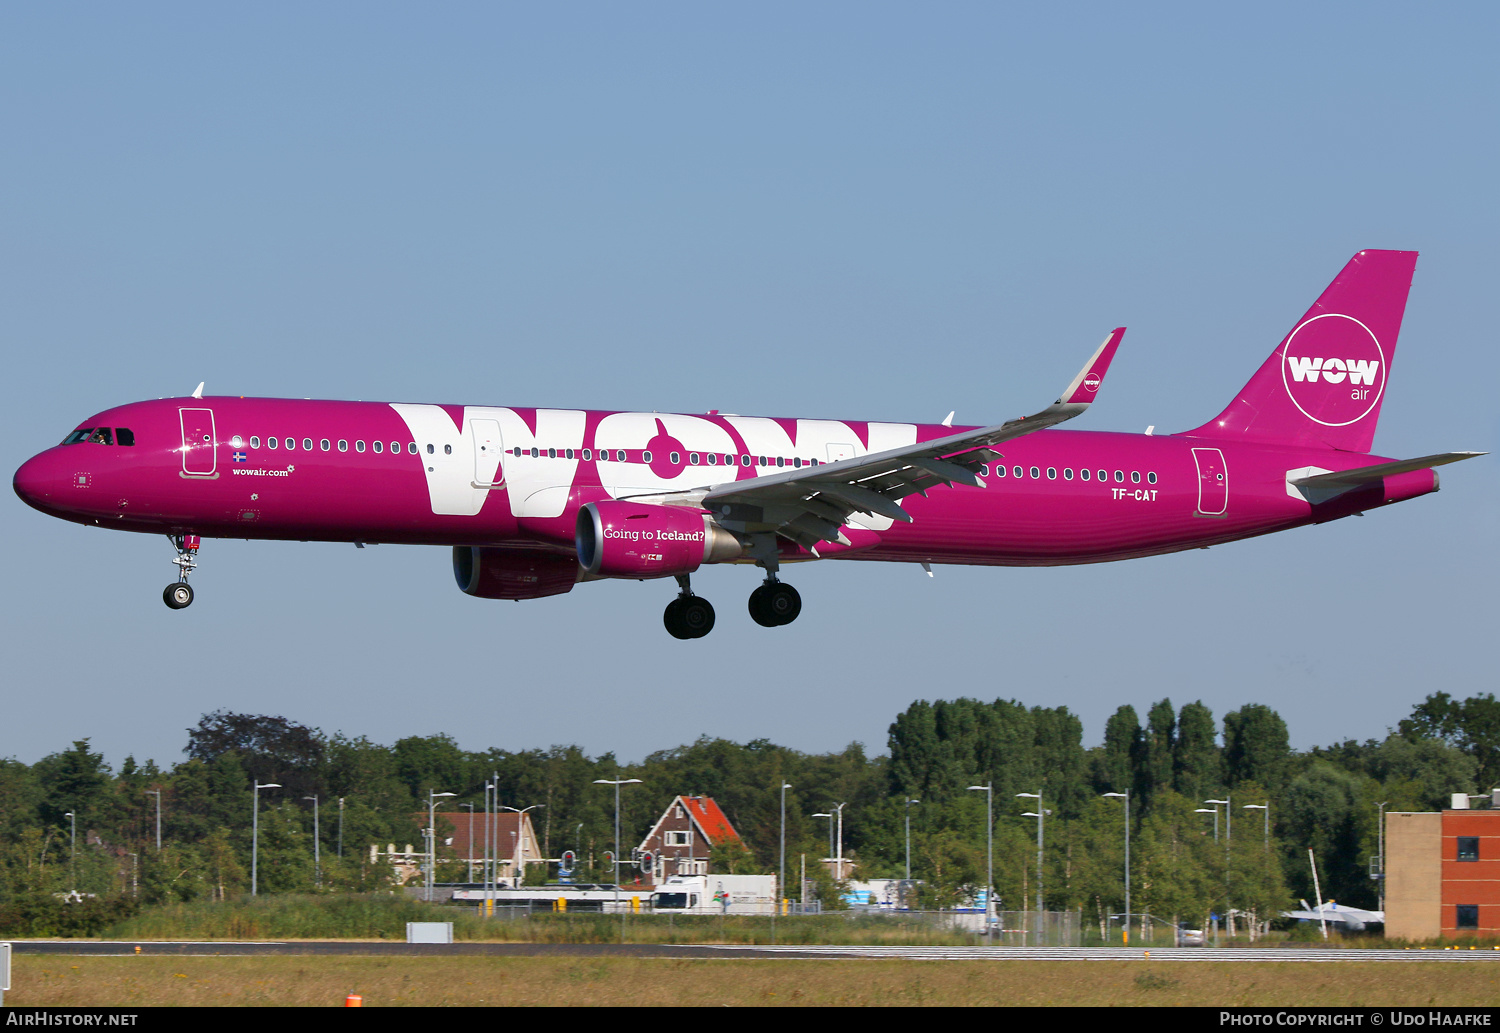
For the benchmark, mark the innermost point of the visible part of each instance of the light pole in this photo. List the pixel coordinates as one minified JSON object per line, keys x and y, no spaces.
{"x":157,"y":793}
{"x":617,"y":783}
{"x":781,"y":865}
{"x":1126,"y":797}
{"x":255,"y":836}
{"x":432,"y":798}
{"x":73,"y":851}
{"x":989,"y":840}
{"x":821,"y":814}
{"x":341,"y":828}
{"x":520,"y":853}
{"x":909,"y":802}
{"x":317,"y":844}
{"x":1381,"y":848}
{"x":1215,"y":813}
{"x":1266,"y":808}
{"x":839,"y":858}
{"x":470,"y":848}
{"x":1038,"y":815}
{"x":1228,"y":844}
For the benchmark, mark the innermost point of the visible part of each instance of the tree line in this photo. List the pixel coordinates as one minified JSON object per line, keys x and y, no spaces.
{"x":1222,"y":812}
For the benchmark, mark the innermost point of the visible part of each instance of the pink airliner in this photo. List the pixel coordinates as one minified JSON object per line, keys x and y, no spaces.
{"x":533,"y":501}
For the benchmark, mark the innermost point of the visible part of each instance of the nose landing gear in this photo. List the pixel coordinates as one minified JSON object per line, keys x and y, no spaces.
{"x":180,"y":594}
{"x":689,"y":615}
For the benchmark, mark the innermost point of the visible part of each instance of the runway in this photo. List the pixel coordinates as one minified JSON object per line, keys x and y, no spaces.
{"x":378,"y":948}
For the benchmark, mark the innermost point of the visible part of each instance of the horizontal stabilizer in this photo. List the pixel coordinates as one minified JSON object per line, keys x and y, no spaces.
{"x":1343,"y":480}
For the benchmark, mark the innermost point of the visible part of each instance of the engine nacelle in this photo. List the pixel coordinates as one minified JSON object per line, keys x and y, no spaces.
{"x":632,"y":539}
{"x":513,"y":573}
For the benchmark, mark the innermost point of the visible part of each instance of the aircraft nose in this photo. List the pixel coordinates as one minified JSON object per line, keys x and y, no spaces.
{"x":40,"y":481}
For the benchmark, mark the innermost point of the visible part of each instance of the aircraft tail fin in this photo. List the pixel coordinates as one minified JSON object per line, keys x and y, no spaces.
{"x":1323,"y":385}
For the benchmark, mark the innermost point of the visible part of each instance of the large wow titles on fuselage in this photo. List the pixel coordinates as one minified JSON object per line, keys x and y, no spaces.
{"x":534,"y":500}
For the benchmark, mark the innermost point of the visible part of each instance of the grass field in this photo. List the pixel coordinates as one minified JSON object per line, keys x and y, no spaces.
{"x":572,"y":982}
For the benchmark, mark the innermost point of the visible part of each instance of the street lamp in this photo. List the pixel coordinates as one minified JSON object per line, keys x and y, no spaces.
{"x":255,"y":836}
{"x":989,"y":838}
{"x":520,"y":852}
{"x":1038,"y":814}
{"x":909,"y":802}
{"x":157,"y":793}
{"x":1215,"y":813}
{"x":617,"y":783}
{"x":838,"y":862}
{"x":432,"y":798}
{"x":317,"y":844}
{"x":470,"y":849}
{"x":1266,"y":809}
{"x":1126,"y":797}
{"x":781,"y":866}
{"x":73,"y":851}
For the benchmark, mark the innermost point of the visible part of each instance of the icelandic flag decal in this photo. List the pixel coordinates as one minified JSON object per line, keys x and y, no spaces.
{"x":239,"y":457}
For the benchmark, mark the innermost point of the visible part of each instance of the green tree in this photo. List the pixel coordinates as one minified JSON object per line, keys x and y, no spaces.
{"x":1256,"y":746}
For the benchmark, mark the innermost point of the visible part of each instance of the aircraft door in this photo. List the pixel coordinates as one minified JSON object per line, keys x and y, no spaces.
{"x":837,"y":451}
{"x":199,"y":445}
{"x":487,"y":453}
{"x":1213,"y":482}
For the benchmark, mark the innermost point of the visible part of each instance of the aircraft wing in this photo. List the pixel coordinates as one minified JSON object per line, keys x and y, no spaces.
{"x":811,"y":505}
{"x":1331,"y":912}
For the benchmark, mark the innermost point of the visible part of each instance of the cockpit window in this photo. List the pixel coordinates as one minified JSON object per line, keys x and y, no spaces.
{"x":125,"y":436}
{"x":100,"y":436}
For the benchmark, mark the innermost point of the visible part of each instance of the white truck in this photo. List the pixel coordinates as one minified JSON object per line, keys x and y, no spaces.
{"x":715,"y":895}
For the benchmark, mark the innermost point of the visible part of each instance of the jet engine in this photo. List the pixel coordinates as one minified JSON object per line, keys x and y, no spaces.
{"x":635,"y":540}
{"x":513,"y":573}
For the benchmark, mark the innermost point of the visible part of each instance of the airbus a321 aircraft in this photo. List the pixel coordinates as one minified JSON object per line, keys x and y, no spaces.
{"x":533,"y":501}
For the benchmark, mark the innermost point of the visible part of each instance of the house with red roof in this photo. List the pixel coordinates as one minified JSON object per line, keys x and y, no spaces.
{"x":683,"y":837}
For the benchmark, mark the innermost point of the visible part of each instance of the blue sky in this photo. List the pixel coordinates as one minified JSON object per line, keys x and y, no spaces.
{"x":867,"y":211}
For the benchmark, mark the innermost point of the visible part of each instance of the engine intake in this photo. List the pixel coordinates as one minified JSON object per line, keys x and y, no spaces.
{"x":636,"y":540}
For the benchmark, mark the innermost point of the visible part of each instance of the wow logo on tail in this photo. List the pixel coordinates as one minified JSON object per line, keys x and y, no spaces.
{"x":1333,"y":369}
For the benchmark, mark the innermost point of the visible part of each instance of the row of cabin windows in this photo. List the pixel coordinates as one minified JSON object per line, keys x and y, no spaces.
{"x":587,"y":454}
{"x":378,"y":447}
{"x":1067,"y":474}
{"x":693,"y":459}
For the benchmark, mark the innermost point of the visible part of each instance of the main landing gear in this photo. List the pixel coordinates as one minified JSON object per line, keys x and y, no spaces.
{"x":180,"y":594}
{"x":689,"y":615}
{"x":773,"y":604}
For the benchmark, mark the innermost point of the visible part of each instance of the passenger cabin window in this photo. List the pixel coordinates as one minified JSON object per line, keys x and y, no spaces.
{"x":307,"y":444}
{"x":1083,"y":474}
{"x":325,"y":444}
{"x":343,"y":445}
{"x":271,"y":442}
{"x":378,"y":446}
{"x":411,"y":446}
{"x":254,"y":441}
{"x":359,"y":446}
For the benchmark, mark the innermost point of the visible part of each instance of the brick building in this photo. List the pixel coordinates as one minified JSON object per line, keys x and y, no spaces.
{"x":1442,"y":873}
